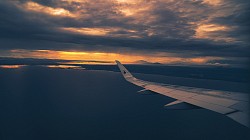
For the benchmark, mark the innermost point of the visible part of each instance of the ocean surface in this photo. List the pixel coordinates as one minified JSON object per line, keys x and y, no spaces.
{"x":40,"y":103}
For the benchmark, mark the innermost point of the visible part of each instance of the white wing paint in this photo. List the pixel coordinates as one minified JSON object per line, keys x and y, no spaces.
{"x":233,"y":105}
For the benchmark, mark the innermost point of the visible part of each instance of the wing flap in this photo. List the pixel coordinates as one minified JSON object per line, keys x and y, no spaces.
{"x":180,"y":105}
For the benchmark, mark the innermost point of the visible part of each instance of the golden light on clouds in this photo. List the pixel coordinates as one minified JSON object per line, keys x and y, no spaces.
{"x":108,"y":31}
{"x":138,"y":12}
{"x":212,"y":2}
{"x":95,"y":57}
{"x":128,"y":1}
{"x":135,"y":10}
{"x":90,"y":31}
{"x":35,"y":7}
{"x":211,"y":28}
{"x":73,"y":0}
{"x":127,"y":11}
{"x":208,"y":31}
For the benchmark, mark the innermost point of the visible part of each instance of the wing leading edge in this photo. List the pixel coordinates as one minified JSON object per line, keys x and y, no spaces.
{"x":233,"y":105}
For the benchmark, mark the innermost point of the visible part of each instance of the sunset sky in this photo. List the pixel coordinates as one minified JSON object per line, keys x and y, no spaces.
{"x":203,"y":32}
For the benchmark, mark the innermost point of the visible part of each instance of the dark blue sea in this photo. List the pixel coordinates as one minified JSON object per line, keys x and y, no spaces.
{"x":40,"y":103}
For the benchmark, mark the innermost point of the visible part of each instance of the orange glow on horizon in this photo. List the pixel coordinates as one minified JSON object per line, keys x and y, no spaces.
{"x":199,"y":60}
{"x":11,"y":66}
{"x":65,"y":67}
{"x":80,"y":57}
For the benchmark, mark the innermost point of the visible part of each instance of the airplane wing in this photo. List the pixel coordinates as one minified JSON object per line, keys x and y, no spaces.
{"x":233,"y":105}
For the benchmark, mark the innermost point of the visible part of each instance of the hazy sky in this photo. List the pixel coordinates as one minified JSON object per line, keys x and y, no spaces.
{"x":212,"y":32}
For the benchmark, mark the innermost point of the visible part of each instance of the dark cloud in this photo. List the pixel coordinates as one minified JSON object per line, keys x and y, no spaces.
{"x":158,"y":26}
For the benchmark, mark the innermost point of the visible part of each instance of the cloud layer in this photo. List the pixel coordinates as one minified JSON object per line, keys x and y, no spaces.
{"x":184,"y":28}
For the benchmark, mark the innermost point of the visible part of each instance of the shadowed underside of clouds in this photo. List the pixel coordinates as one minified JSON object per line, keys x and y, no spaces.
{"x":184,"y":28}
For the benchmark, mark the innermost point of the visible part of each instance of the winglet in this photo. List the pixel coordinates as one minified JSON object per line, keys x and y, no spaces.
{"x":126,"y":74}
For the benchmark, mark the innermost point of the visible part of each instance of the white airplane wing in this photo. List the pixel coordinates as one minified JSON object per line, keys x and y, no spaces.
{"x":233,"y":105}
